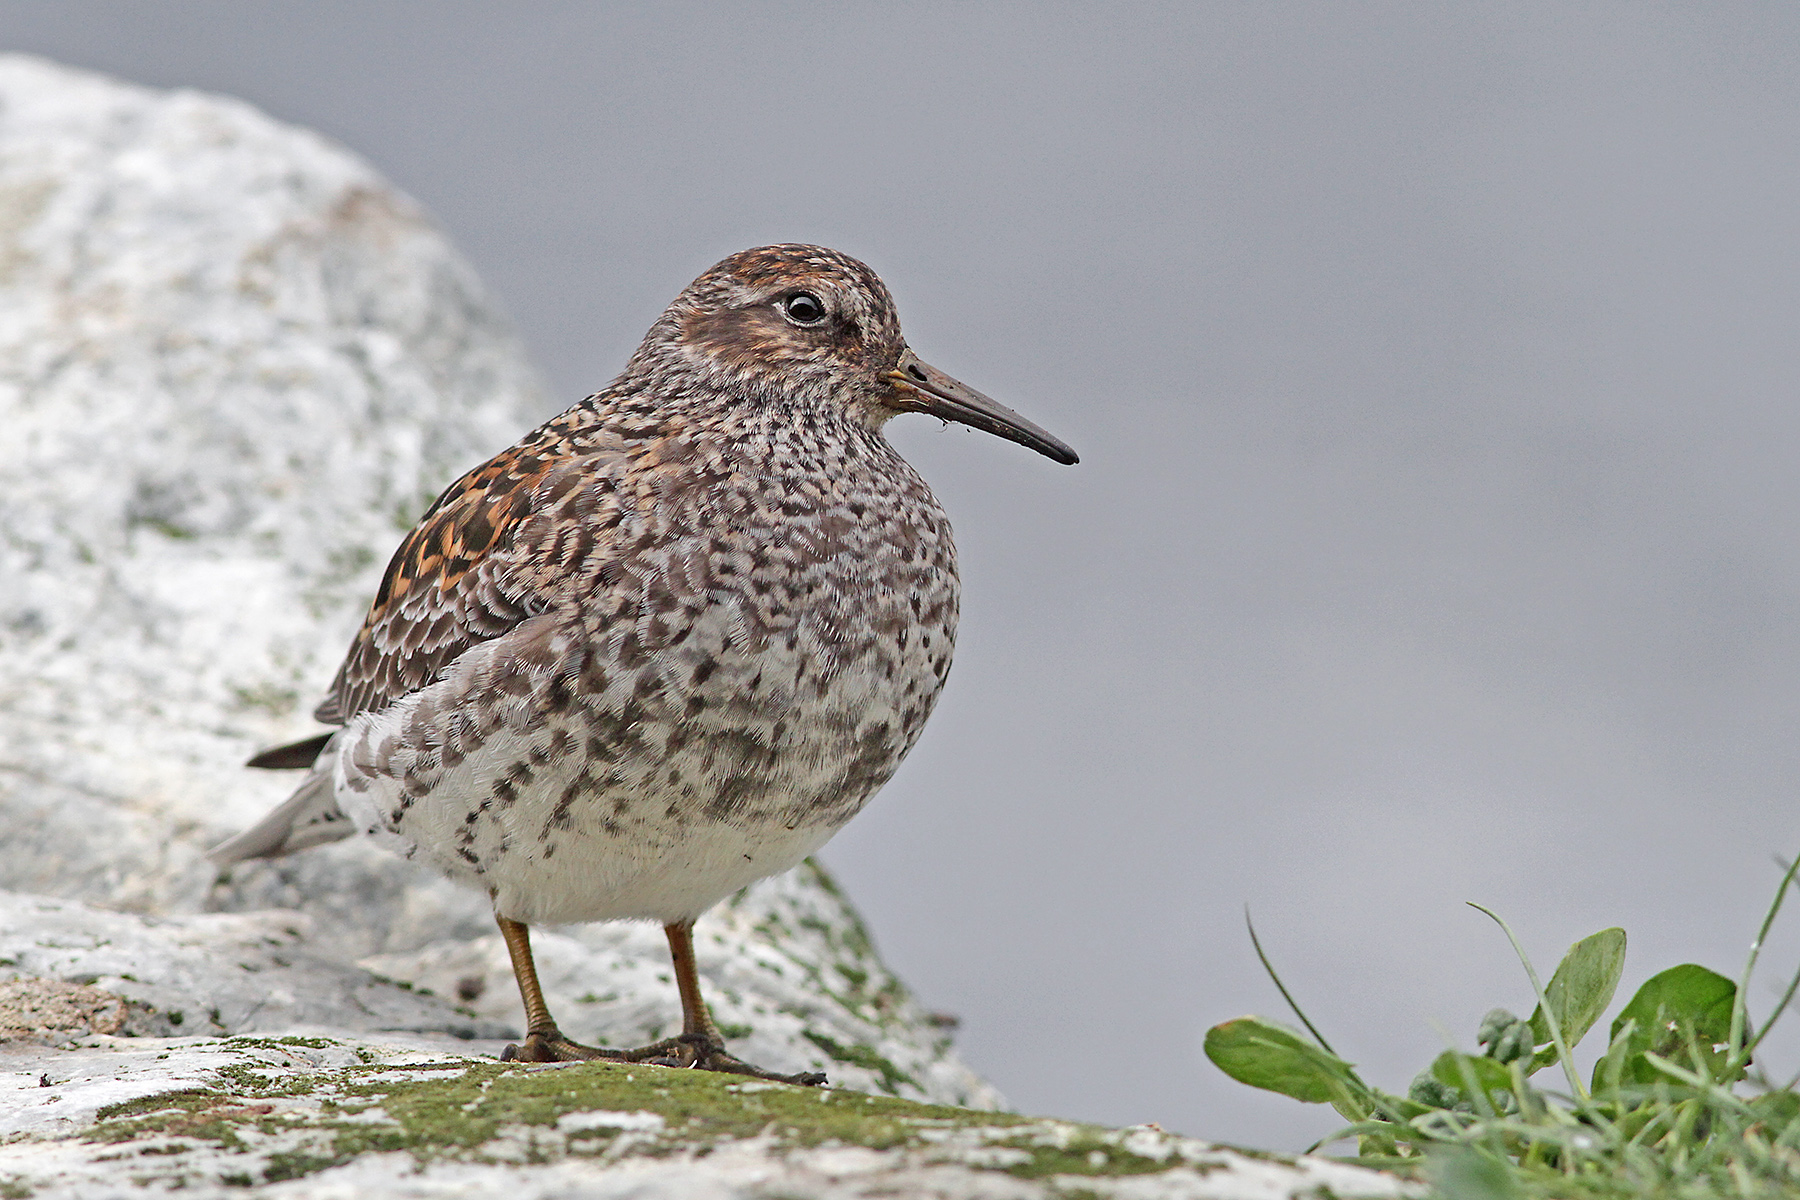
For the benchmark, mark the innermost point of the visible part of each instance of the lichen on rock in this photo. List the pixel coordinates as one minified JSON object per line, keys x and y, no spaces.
{"x":327,"y":1117}
{"x":54,"y":1010}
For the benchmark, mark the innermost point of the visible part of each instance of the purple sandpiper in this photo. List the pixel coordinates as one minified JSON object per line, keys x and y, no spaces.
{"x":667,"y":644}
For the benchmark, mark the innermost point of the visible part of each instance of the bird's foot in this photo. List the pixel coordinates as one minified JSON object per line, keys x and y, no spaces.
{"x":552,"y":1047}
{"x":702,"y":1053}
{"x":690,"y":1050}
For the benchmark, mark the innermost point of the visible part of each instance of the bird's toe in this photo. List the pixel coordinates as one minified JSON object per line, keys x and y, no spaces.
{"x":552,"y":1047}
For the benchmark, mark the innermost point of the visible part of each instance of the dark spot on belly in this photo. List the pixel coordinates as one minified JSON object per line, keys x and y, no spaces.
{"x":554,"y":749}
{"x":734,"y":796}
{"x":582,"y":785}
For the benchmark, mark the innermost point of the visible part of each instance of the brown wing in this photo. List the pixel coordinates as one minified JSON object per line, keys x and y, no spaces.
{"x":490,"y":553}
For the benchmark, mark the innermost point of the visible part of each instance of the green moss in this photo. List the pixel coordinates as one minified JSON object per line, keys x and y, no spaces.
{"x":168,"y":528}
{"x":199,"y":1116}
{"x":699,"y":1107}
{"x":187,"y":1099}
{"x":295,"y":1165}
{"x":459,"y":1114}
{"x":862,"y":1056}
{"x":1083,"y":1154}
{"x":270,"y":697}
{"x":291,"y":1124}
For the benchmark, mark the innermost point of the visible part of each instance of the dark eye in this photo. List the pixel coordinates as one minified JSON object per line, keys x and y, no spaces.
{"x":803,"y":308}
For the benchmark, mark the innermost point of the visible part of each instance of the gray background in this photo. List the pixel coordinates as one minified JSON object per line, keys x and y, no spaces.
{"x":1434,"y":371}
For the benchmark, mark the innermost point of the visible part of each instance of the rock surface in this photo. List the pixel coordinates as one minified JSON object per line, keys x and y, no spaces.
{"x":235,"y":365}
{"x":319,"y":1117}
{"x":200,"y":973}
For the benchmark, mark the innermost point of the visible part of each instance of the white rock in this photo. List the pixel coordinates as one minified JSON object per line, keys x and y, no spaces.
{"x":235,"y":365}
{"x":213,"y":973}
{"x":211,"y":1118}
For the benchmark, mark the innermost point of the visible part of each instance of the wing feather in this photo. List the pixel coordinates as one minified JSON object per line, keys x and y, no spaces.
{"x":487,"y":556}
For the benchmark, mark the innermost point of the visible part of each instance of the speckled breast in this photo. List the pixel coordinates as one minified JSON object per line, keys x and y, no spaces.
{"x":722,"y":700}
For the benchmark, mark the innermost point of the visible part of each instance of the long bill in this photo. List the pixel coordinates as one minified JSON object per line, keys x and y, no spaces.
{"x":921,"y":387}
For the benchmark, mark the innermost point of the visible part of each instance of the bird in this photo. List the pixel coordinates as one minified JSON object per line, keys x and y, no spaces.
{"x":665,"y":645}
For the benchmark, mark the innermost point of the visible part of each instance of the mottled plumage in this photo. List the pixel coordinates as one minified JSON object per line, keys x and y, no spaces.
{"x":674,"y":638}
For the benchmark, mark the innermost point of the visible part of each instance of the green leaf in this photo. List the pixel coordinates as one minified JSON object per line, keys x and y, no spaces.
{"x":1454,"y":1069}
{"x":1609,"y":1072}
{"x":1777,"y":1110}
{"x":1675,"y":1010}
{"x":1580,"y":990}
{"x":1467,"y":1174}
{"x":1264,"y":1054}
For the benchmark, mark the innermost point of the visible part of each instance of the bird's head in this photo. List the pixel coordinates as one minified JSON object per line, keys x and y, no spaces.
{"x":804,"y":325}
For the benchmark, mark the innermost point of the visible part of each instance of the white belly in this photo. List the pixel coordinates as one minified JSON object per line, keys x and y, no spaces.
{"x":602,"y":807}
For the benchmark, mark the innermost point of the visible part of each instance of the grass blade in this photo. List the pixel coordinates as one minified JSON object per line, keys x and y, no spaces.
{"x":1280,"y":986}
{"x":1556,"y":1035}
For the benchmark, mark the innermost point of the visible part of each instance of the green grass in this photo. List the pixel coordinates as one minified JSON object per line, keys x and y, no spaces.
{"x":1676,"y":1107}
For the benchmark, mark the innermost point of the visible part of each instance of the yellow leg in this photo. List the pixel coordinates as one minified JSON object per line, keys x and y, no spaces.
{"x":696,"y":1020}
{"x":699,"y":1045}
{"x":518,"y":945}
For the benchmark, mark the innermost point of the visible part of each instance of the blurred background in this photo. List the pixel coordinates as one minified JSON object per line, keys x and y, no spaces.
{"x":1437,"y":531}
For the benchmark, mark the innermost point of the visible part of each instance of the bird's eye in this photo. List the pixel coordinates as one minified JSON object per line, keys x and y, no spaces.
{"x":803,"y":308}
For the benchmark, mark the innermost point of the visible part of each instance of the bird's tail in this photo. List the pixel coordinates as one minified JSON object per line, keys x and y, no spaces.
{"x":294,"y":756}
{"x":310,"y":817}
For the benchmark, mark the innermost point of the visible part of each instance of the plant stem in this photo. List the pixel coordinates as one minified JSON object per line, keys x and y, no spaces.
{"x":1740,"y":1053}
{"x":1282,"y":987}
{"x":1556,"y":1035}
